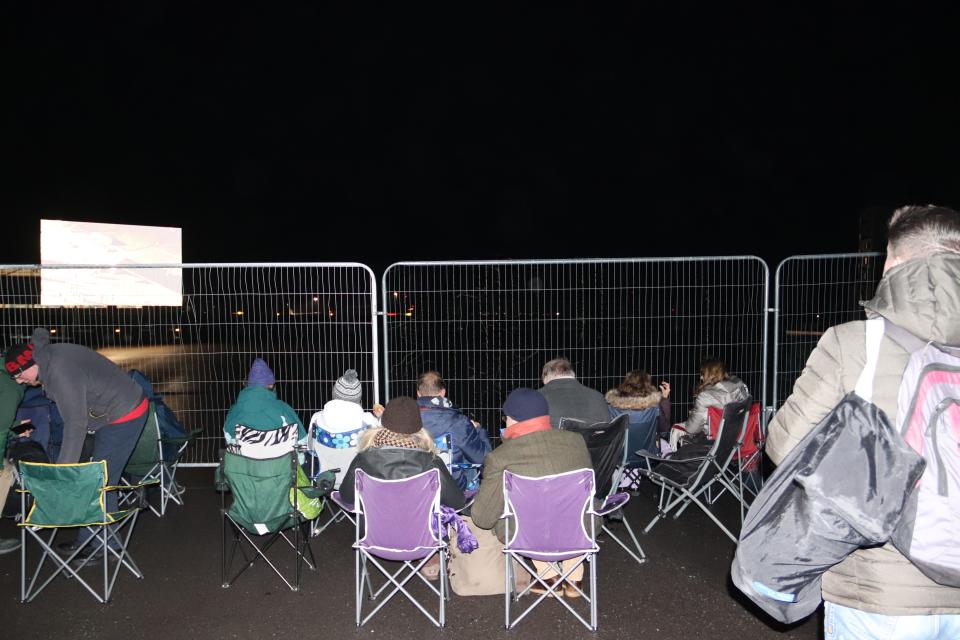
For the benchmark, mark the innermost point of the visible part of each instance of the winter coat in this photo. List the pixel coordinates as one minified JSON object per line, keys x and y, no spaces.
{"x":568,"y":398}
{"x":470,"y":444}
{"x":717,"y":395}
{"x":395,"y":463}
{"x":89,"y":389}
{"x":336,"y":431}
{"x":922,"y":296}
{"x":260,"y":425}
{"x":536,"y":454}
{"x":638,"y":407}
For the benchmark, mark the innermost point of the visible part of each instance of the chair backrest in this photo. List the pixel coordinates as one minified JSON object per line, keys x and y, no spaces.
{"x":400,"y":518}
{"x":752,"y":438}
{"x":641,"y":432}
{"x":444,"y":444}
{"x":257,"y":443}
{"x":606,"y":442}
{"x":146,"y":455}
{"x":65,"y":494}
{"x":261,"y":491}
{"x":548,"y":514}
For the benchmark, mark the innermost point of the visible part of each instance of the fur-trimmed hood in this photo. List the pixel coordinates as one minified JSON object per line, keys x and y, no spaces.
{"x":618,"y":401}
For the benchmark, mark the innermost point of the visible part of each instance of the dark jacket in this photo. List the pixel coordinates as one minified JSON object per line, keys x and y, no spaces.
{"x":394,"y":463}
{"x":536,"y":454}
{"x":568,"y":398}
{"x":89,"y":389}
{"x":470,"y":443}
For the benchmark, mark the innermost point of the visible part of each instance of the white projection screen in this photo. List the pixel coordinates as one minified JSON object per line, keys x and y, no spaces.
{"x":64,"y":242}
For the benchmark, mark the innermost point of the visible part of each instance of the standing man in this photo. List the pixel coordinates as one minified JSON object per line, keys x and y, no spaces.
{"x":877,"y":592}
{"x":95,"y":398}
{"x":568,"y":398}
{"x":468,"y":438}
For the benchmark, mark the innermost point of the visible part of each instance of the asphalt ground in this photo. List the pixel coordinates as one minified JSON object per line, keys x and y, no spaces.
{"x":683,"y":591}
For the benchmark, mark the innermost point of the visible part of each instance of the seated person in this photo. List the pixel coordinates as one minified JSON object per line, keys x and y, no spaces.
{"x":469,"y":440}
{"x":336,"y":428}
{"x":636,"y":396}
{"x":402,"y":448}
{"x":531,"y":447}
{"x":568,"y":398}
{"x":717,"y":389}
{"x":260,"y":425}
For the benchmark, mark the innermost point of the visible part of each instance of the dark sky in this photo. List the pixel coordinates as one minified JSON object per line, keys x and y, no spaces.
{"x":300,"y":132}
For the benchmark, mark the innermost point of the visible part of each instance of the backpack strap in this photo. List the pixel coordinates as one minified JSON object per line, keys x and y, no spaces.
{"x":904,"y":338}
{"x":874,"y":336}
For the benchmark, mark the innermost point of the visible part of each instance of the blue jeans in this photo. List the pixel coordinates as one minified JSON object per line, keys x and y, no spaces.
{"x":844,"y":623}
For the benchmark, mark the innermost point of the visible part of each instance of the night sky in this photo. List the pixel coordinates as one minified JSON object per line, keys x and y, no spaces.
{"x":300,"y":132}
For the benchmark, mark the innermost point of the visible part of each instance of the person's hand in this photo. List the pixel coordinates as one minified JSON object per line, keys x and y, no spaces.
{"x":665,"y":388}
{"x":475,"y":423}
{"x":378,"y":410}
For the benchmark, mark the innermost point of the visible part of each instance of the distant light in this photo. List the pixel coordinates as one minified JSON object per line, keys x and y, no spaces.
{"x":331,"y":313}
{"x":408,"y":314}
{"x":238,"y":312}
{"x":558,"y":314}
{"x":176,"y":330}
{"x":53,"y":331}
{"x":278,"y":314}
{"x":117,"y":330}
{"x":316,"y":299}
{"x":396,"y":294}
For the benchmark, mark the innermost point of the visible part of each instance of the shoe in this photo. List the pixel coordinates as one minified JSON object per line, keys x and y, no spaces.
{"x":87,"y":560}
{"x":554,"y":593}
{"x":66,"y":548}
{"x":570,"y":591}
{"x":8,"y":545}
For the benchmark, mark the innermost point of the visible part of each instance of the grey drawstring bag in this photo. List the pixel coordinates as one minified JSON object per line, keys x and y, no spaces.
{"x":844,"y":486}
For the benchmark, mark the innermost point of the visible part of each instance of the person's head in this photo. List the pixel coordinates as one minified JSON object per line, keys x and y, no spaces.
{"x":400,"y":424}
{"x":524,"y":404}
{"x":429,"y":384}
{"x":920,"y":231}
{"x":21,"y":366}
{"x":557,"y":368}
{"x":712,"y":371}
{"x":636,"y":383}
{"x":347,"y":387}
{"x":261,"y":375}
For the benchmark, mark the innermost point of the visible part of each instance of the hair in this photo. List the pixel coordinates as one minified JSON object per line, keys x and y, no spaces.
{"x":636,"y":383}
{"x":557,"y":367}
{"x":422,"y":437}
{"x":430,"y":383}
{"x":919,"y":231}
{"x":713,"y":370}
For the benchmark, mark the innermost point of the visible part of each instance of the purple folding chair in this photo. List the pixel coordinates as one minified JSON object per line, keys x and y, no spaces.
{"x":547,"y":516}
{"x":397,"y":520}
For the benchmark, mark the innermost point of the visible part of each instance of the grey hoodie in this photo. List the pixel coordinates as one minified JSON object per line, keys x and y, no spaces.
{"x":89,"y":389}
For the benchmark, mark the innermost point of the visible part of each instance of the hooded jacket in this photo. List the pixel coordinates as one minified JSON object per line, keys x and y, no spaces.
{"x":923,"y":296}
{"x":256,"y":411}
{"x":470,"y":444}
{"x":395,"y":463}
{"x":733,"y":389}
{"x":89,"y":389}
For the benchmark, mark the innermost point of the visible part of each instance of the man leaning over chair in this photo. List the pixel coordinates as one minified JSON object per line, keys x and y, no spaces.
{"x":531,"y":447}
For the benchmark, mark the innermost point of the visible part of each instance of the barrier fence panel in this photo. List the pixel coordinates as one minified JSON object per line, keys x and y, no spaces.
{"x":489,"y":326}
{"x":813,"y":293}
{"x":309,"y":321}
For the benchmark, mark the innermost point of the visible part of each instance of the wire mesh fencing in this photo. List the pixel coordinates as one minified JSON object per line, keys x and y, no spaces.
{"x":489,"y":326}
{"x":813,"y":293}
{"x":310,"y":322}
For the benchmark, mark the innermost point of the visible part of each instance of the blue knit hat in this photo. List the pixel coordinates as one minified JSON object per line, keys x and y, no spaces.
{"x":524,"y":404}
{"x":260,"y":374}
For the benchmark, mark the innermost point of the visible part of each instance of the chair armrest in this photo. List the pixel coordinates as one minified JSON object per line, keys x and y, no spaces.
{"x":346,"y":506}
{"x":612,"y":503}
{"x":129,"y":487}
{"x":646,"y":455}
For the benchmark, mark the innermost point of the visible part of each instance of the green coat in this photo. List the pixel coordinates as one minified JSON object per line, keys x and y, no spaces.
{"x":541,"y":453}
{"x":11,"y":394}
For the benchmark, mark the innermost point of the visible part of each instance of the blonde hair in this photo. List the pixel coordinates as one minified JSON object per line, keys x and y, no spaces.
{"x":712,"y":371}
{"x":422,"y":437}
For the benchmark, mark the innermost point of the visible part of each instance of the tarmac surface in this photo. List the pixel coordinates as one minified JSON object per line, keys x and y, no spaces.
{"x":683,"y":591}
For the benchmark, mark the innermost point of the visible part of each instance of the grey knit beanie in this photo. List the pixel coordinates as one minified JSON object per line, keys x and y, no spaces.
{"x":347,"y":387}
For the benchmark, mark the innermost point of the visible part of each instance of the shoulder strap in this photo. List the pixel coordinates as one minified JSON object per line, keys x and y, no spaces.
{"x":874,"y":335}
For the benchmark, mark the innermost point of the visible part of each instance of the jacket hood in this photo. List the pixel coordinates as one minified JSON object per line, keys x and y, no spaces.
{"x":618,"y":401}
{"x":41,"y":340}
{"x":339,"y":416}
{"x":922,"y":296}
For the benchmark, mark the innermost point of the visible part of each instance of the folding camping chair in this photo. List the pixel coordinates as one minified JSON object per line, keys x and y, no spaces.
{"x":156,"y":458}
{"x":265,"y":505}
{"x":470,"y":470}
{"x":685,"y":476}
{"x":547,"y":517}
{"x":70,"y":496}
{"x":331,"y":453}
{"x":744,"y":470}
{"x":397,"y":520}
{"x":607,"y":443}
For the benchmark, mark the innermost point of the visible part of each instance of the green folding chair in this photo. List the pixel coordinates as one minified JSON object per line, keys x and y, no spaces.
{"x":271,"y":499}
{"x":60,"y":496}
{"x":147,"y":465}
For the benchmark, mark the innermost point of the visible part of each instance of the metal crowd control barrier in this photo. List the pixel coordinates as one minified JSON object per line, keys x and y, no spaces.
{"x":814,"y":293}
{"x":489,"y":326}
{"x":309,"y":321}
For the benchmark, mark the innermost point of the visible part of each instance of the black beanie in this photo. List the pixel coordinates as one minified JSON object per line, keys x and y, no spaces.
{"x":19,"y":358}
